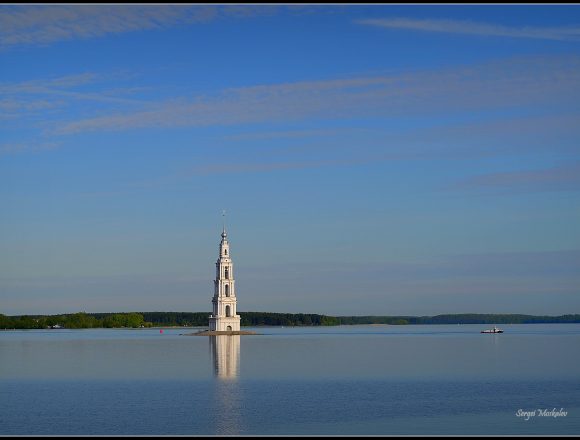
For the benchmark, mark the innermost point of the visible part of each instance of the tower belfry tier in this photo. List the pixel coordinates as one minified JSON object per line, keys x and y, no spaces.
{"x":224,"y":301}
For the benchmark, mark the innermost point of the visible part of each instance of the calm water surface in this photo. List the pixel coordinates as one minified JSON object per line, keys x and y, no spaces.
{"x":325,"y":380}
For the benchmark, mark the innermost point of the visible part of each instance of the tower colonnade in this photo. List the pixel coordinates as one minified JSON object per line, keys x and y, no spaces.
{"x":224,"y":315}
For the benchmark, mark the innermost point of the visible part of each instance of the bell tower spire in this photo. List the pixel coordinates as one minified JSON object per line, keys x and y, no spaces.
{"x":224,"y":301}
{"x":224,"y":233}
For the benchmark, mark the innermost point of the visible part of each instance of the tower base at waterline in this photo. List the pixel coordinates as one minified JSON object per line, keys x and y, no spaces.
{"x":219,"y":333}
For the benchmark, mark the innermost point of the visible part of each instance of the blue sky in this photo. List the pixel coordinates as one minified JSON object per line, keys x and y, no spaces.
{"x":378,"y":159}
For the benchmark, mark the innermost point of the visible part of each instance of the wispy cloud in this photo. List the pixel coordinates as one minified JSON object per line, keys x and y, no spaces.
{"x":518,"y":282}
{"x":461,"y":140}
{"x":554,"y":263}
{"x":14,"y":94}
{"x":500,"y":136}
{"x":501,"y":84}
{"x":476,"y":28}
{"x":59,"y":82}
{"x":286,"y":134}
{"x":21,"y":147}
{"x":64,"y":86}
{"x":24,"y":101}
{"x":228,"y":168}
{"x":10,"y":106}
{"x":46,"y":24}
{"x":548,"y":179}
{"x":41,"y":25}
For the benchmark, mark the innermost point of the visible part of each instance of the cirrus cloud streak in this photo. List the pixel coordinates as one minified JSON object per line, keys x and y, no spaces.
{"x":40,"y":25}
{"x":501,"y":84}
{"x":476,"y":28}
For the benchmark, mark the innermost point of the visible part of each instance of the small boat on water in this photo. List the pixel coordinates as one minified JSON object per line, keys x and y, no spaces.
{"x":493,"y":330}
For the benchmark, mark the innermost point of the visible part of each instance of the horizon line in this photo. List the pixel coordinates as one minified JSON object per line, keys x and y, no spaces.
{"x":299,"y":313}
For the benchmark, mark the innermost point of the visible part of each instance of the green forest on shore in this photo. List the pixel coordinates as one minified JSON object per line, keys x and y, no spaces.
{"x":250,"y":319}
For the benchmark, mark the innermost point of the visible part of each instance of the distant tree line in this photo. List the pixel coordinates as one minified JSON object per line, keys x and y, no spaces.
{"x":254,"y":319}
{"x":74,"y":320}
{"x":466,"y":318}
{"x":251,"y":319}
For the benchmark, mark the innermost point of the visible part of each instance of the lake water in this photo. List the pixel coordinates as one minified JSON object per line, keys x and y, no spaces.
{"x":348,"y":380}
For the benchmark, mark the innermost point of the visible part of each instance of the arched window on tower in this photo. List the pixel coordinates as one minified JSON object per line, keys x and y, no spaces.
{"x":227,"y":275}
{"x":225,"y":251}
{"x":227,"y":287}
{"x":228,"y":313}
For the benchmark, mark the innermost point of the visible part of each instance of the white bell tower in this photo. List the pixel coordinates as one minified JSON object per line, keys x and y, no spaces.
{"x":224,"y":317}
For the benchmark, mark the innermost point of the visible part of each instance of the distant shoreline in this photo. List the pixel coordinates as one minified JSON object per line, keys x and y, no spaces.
{"x":245,"y":332}
{"x":261,"y":319}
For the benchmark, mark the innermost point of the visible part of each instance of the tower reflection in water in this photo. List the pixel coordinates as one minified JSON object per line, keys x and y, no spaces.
{"x":225,"y":350}
{"x":225,"y":353}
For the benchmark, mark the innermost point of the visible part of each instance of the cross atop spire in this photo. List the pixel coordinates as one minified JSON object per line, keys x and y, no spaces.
{"x":224,"y":233}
